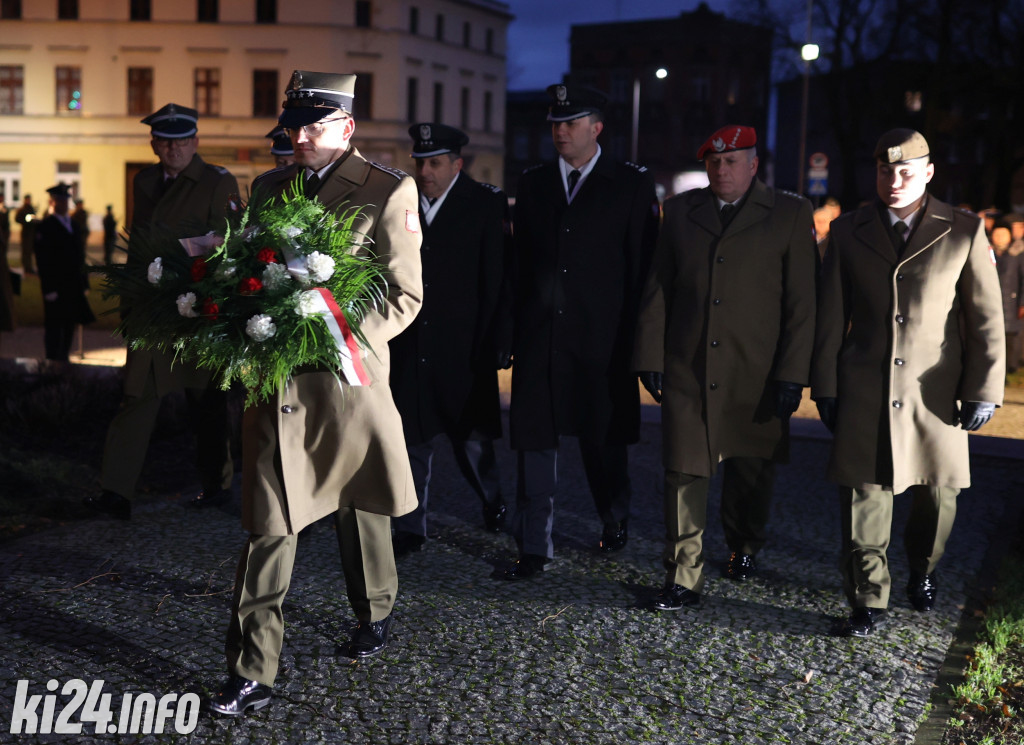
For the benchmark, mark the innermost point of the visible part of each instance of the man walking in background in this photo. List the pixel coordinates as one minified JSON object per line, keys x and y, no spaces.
{"x":724,"y":343}
{"x":585,"y":228}
{"x":908,"y":358}
{"x":186,"y":197}
{"x":443,"y":366}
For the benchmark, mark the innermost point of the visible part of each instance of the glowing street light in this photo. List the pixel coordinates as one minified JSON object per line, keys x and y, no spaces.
{"x":661,"y":73}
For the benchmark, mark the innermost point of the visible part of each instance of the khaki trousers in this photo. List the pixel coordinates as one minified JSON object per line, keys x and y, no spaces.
{"x":128,"y":435}
{"x":866,"y":516}
{"x":746,"y":503}
{"x":256,"y":632}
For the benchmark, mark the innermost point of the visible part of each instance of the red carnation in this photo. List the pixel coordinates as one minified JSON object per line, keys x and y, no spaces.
{"x":210,"y":309}
{"x":267,"y":256}
{"x":249,"y":286}
{"x":198,"y":270}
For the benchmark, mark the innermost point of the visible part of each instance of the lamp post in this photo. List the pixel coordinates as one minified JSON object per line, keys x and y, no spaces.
{"x":808,"y":53}
{"x":661,"y":73}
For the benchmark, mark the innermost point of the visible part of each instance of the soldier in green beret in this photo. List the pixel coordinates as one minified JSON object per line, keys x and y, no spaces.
{"x":908,"y":359}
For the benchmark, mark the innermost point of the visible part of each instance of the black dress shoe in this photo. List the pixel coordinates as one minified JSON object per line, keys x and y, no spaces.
{"x":494,"y":517}
{"x":675,"y":597}
{"x":369,"y":638}
{"x":529,"y":565}
{"x":109,"y":503}
{"x":238,"y":695}
{"x":741,"y":566}
{"x":921,"y":590}
{"x":404,"y":542}
{"x":614,"y":537}
{"x":863,"y":622}
{"x":210,"y":499}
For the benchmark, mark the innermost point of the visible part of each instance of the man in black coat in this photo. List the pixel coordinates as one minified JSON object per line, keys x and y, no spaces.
{"x":60,"y":259}
{"x":585,"y":229}
{"x":443,"y":366}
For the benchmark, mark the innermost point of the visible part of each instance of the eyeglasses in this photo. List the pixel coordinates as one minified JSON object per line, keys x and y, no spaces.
{"x":168,"y":143}
{"x":315,"y":129}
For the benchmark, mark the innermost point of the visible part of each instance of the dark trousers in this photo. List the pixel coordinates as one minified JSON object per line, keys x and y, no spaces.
{"x":746,"y":503}
{"x":866,"y":516}
{"x":1014,"y":347}
{"x":477,"y":464}
{"x":58,"y":334}
{"x":606,"y":467}
{"x":256,"y":631}
{"x":132,"y":426}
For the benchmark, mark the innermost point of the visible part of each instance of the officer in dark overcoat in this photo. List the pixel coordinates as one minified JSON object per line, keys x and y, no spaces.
{"x":60,"y":260}
{"x":443,"y":366}
{"x":584,"y":232}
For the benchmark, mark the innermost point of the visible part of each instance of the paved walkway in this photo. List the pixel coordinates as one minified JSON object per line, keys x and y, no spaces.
{"x":572,"y":657}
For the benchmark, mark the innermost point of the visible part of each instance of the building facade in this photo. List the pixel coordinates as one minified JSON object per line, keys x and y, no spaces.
{"x":717,"y":71}
{"x":76,"y":76}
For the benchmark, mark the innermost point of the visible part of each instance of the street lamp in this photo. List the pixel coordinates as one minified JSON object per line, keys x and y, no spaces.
{"x":808,"y":53}
{"x":661,"y":73}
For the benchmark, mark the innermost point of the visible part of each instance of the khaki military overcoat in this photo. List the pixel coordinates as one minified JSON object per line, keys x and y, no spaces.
{"x":724,"y":316}
{"x":900,"y":341}
{"x":320,"y":443}
{"x":195,"y":203}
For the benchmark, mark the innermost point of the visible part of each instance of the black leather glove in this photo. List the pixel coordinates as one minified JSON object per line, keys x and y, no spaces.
{"x":827,"y":412}
{"x":787,"y":398}
{"x":973,"y":414}
{"x":504,"y":359}
{"x":652,"y":382}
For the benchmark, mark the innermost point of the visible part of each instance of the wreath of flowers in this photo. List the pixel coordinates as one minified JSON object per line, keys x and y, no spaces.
{"x":286,"y":287}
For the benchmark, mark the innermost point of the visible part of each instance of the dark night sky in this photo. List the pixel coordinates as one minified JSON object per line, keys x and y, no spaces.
{"x":538,"y":38}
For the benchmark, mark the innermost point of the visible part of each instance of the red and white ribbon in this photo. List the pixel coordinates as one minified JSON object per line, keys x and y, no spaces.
{"x":349,"y":353}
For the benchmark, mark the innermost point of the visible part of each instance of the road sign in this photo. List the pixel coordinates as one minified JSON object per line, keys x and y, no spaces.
{"x":818,"y":160}
{"x":819,"y":173}
{"x":817,"y":187}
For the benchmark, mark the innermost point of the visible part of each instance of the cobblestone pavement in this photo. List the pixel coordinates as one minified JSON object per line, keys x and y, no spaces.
{"x":574,"y":656}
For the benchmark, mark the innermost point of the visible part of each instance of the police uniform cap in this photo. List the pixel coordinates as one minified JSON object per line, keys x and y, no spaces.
{"x":173,"y":122}
{"x":729,"y":138}
{"x":60,"y":191}
{"x":1012,"y":217}
{"x":570,"y":102}
{"x":281,"y":142}
{"x":312,"y":96}
{"x":900,"y":145}
{"x":430,"y":139}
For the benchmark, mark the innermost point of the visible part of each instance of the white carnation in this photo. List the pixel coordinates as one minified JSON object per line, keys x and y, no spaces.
{"x":156,"y":271}
{"x":307,"y":304}
{"x":227,"y":270}
{"x":187,"y":305}
{"x":260,"y":327}
{"x":320,"y":266}
{"x":275,"y":276}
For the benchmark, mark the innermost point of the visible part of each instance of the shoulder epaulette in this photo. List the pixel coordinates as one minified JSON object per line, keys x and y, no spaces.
{"x":219,"y":169}
{"x":636,"y":166}
{"x":788,"y":193}
{"x":491,"y":187}
{"x":534,"y":168}
{"x":396,"y":172}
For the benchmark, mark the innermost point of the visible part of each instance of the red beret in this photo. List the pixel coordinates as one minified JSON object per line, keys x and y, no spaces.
{"x":727,"y":139}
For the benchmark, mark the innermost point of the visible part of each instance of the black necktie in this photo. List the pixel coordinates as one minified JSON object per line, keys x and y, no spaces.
{"x":431,"y":201}
{"x":901,"y":229}
{"x":574,"y":178}
{"x":312,"y":182}
{"x":725,"y":214}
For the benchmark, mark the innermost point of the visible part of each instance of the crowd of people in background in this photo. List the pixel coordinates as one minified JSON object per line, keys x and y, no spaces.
{"x":724,"y":303}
